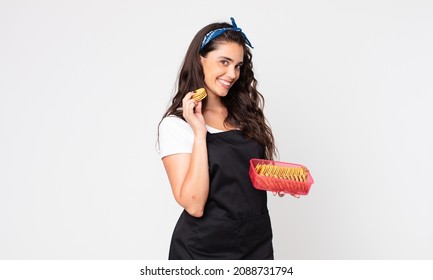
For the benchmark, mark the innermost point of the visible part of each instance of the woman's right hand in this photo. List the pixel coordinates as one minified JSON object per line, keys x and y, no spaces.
{"x":193,"y":115}
{"x":187,"y":172}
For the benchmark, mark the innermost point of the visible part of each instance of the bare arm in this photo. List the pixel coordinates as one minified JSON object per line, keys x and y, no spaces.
{"x":188,"y":173}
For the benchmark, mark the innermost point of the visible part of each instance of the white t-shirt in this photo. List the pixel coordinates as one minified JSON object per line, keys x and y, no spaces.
{"x":176,"y":136}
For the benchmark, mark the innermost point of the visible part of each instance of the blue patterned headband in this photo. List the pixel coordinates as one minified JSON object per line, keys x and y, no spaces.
{"x":215,"y":33}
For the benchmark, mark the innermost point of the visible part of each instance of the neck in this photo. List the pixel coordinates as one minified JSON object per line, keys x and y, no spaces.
{"x":214,"y":103}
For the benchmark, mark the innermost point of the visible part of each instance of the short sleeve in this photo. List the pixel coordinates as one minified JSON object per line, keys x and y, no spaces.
{"x":175,"y":137}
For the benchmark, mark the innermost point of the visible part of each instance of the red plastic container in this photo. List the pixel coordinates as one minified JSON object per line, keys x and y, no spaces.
{"x":273,"y":184}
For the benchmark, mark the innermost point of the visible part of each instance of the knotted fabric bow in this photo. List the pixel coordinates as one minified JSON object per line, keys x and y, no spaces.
{"x":215,"y":33}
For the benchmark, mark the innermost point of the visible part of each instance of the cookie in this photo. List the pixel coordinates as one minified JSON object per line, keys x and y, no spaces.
{"x":298,"y":174}
{"x":199,"y":94}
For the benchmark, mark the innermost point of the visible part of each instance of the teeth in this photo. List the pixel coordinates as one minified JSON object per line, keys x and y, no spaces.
{"x":224,"y":82}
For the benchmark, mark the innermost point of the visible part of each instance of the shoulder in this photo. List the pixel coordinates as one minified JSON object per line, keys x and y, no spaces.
{"x":175,"y":136}
{"x":173,"y":124}
{"x":173,"y":121}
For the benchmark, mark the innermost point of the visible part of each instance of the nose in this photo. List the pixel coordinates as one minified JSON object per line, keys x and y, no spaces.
{"x":231,"y":72}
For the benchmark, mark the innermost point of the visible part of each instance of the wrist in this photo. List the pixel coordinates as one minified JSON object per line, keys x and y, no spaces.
{"x":200,"y":137}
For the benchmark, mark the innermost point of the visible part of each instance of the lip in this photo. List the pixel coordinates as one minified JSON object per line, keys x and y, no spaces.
{"x":226,"y":84}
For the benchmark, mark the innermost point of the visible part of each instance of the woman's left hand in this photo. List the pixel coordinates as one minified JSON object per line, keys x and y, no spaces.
{"x":280,"y":194}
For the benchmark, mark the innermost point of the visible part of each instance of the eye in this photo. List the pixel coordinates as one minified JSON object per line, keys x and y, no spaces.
{"x":224,"y":62}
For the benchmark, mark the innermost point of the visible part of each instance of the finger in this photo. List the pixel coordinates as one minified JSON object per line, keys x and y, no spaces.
{"x":187,"y":96}
{"x":188,"y":108}
{"x":198,"y":107}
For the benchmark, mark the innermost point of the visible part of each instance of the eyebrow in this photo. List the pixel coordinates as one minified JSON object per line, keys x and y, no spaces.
{"x":229,"y":59}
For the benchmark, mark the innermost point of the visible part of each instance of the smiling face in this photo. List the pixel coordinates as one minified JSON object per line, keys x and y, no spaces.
{"x":222,"y":67}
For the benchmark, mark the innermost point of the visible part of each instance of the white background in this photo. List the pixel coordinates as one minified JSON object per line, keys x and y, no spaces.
{"x":83,"y":85}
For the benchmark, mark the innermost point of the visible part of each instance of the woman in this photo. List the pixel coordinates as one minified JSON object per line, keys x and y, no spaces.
{"x":206,"y":146}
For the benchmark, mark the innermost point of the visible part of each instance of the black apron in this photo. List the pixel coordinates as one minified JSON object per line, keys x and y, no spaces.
{"x":235,"y":224}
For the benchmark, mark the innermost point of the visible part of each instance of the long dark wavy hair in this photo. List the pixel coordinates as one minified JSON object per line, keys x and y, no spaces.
{"x":244,"y":102}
